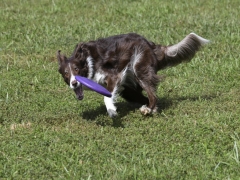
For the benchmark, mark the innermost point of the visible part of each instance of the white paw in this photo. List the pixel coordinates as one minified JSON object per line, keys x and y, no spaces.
{"x":145,"y":110}
{"x":155,"y":110}
{"x":112,"y":113}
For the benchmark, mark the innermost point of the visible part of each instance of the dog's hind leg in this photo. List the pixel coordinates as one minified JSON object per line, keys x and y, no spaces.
{"x":149,"y":85}
{"x":151,"y":93}
{"x":145,"y":73}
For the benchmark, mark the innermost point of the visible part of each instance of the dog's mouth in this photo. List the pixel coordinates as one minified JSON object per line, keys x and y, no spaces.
{"x":79,"y":92}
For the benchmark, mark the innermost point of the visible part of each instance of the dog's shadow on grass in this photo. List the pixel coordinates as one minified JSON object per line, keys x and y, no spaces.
{"x":100,"y":114}
{"x":124,"y":108}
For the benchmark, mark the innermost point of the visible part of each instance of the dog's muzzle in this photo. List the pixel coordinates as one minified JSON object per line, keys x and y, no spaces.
{"x":79,"y":92}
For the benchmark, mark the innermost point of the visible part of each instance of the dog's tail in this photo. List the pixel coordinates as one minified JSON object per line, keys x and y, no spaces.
{"x":181,"y":52}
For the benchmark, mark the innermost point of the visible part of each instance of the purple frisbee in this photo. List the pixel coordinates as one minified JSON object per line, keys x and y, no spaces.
{"x":93,"y":85}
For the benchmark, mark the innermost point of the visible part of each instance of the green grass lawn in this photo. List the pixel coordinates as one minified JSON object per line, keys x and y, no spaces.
{"x":45,"y":133}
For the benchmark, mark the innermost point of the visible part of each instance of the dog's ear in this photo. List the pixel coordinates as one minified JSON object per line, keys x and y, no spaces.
{"x":80,"y":50}
{"x":60,"y":58}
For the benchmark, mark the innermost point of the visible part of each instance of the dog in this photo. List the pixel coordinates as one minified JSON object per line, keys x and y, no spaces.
{"x":126,"y":65}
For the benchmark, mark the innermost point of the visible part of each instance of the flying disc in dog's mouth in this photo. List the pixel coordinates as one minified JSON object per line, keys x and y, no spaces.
{"x":79,"y":92}
{"x":93,"y":86}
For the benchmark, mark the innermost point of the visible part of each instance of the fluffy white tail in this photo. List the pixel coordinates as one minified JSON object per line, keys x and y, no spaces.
{"x":183,"y":51}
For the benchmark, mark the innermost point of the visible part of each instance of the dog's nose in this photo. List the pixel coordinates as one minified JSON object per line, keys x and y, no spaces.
{"x":74,"y":83}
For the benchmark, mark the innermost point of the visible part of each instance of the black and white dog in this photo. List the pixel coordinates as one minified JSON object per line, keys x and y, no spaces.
{"x":126,"y":65}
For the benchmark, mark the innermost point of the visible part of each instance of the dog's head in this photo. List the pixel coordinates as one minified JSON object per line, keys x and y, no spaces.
{"x":75,"y":65}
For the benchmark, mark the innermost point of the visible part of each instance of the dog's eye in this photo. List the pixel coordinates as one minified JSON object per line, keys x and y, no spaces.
{"x":66,"y":73}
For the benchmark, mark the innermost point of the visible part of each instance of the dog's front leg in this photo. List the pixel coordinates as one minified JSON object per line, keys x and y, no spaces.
{"x":109,"y":102}
{"x":111,"y":109}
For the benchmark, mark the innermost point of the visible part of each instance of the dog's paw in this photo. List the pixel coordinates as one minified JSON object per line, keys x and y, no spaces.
{"x":155,"y":110}
{"x":112,"y":113}
{"x":145,"y":110}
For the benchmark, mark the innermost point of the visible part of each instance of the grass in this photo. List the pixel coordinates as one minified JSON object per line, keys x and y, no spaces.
{"x":46,"y":134}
